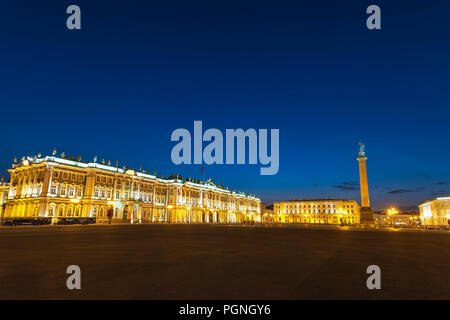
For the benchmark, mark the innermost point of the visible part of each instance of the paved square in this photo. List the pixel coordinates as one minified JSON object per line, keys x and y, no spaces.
{"x":221,"y":262}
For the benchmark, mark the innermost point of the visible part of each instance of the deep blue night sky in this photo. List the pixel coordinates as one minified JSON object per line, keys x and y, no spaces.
{"x":137,"y":70}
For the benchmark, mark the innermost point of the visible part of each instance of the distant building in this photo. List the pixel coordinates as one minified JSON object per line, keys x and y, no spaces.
{"x":436,"y":212}
{"x":267,"y":215}
{"x":325,"y":211}
{"x":406,"y":219}
{"x":4,"y":187}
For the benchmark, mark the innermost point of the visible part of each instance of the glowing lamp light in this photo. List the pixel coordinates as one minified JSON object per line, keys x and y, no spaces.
{"x":75,"y":200}
{"x":170,"y":206}
{"x":392,"y":211}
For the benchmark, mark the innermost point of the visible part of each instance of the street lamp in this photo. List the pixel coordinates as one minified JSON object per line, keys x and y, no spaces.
{"x":391,"y":211}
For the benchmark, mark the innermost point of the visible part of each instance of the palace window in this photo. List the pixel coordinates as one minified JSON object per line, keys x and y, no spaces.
{"x":117,"y":194}
{"x":96,"y":193}
{"x":71,"y":192}
{"x":60,"y":211}
{"x":63,"y":191}
{"x":80,"y":192}
{"x":77,"y":212}
{"x":53,"y":189}
{"x":50,"y":212}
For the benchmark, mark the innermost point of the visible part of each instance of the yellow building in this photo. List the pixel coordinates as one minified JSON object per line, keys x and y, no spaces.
{"x":4,"y":187}
{"x":325,"y":211}
{"x":57,"y":188}
{"x":436,"y":213}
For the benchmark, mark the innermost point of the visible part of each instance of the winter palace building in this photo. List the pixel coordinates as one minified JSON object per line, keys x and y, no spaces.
{"x":62,"y":187}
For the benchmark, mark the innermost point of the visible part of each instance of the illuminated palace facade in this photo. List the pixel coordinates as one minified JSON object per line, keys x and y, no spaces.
{"x":60,"y":187}
{"x":324,"y":211}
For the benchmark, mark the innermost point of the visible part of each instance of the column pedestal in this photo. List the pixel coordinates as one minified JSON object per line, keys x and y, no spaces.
{"x":366,"y":215}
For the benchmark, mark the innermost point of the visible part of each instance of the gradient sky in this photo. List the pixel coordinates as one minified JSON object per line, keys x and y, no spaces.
{"x":137,"y":70}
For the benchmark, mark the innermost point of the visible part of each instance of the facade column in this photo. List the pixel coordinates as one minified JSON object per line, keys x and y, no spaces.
{"x":46,"y":186}
{"x":88,"y":194}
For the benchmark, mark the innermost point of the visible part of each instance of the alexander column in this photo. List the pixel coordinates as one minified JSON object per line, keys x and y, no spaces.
{"x":366,"y":212}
